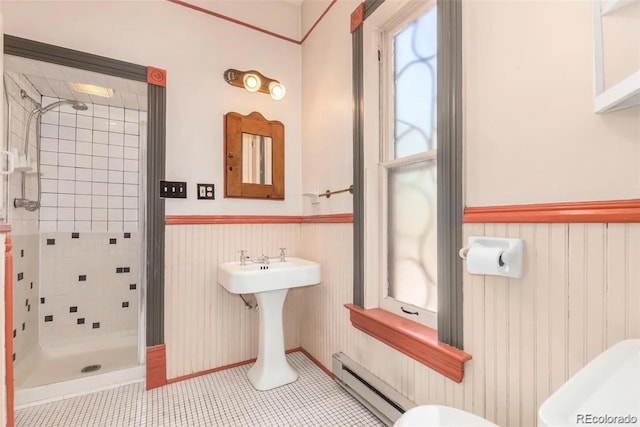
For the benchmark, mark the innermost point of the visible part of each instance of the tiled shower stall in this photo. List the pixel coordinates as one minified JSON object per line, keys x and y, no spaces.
{"x":78,"y":258}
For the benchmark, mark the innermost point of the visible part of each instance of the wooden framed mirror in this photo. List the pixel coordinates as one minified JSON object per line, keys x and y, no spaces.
{"x":253,"y":157}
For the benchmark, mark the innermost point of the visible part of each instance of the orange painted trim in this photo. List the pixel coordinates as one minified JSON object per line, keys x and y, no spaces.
{"x":231,"y":219}
{"x":156,"y":366}
{"x":357,"y":17}
{"x":157,"y":76}
{"x":257,"y":219}
{"x":220,"y":368}
{"x":317,"y":363}
{"x":233,"y":20}
{"x":574,"y":212}
{"x":416,"y":341}
{"x":4,"y":228}
{"x":318,"y":21}
{"x":8,"y":328}
{"x":327,"y":219}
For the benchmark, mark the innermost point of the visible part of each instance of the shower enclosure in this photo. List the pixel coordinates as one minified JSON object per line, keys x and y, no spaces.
{"x":75,"y":204}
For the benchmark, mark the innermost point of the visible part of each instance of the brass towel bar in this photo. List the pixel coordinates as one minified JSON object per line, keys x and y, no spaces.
{"x":328,"y":193}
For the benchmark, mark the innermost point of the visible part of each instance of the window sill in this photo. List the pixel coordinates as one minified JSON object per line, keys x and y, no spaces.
{"x":416,"y":341}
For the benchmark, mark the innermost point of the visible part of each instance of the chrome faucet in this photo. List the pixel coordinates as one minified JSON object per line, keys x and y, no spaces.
{"x":244,"y":256}
{"x":264,"y":259}
{"x":283,"y":252}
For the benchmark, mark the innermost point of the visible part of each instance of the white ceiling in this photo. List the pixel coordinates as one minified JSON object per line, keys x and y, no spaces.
{"x":49,"y":79}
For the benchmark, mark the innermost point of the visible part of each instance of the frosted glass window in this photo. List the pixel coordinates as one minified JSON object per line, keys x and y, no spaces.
{"x":412,"y":234}
{"x":414,"y":70}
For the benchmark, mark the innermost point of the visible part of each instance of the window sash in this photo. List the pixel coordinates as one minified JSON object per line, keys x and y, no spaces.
{"x":389,"y":162}
{"x":425,"y":317}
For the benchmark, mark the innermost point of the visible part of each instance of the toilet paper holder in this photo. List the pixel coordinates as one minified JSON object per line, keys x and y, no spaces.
{"x":510,"y":261}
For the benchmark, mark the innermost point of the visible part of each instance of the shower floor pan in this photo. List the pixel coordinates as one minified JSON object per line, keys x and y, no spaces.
{"x":55,"y":374}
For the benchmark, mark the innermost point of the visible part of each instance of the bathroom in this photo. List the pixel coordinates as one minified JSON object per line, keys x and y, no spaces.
{"x":531,"y":144}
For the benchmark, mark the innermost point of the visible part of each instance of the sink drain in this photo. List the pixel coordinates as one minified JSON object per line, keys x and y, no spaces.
{"x":90,"y":368}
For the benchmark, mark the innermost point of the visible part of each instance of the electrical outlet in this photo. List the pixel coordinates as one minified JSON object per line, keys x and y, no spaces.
{"x":173,"y":189}
{"x":206,"y":191}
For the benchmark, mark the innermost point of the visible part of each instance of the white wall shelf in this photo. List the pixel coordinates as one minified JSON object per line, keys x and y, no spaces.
{"x":622,"y":95}
{"x":625,"y":93}
{"x":613,"y":5}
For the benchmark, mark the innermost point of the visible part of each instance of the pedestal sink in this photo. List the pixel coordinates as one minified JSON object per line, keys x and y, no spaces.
{"x":270,"y":284}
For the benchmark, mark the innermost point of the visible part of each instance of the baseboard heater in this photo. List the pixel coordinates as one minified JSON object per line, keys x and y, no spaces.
{"x":383,"y":401}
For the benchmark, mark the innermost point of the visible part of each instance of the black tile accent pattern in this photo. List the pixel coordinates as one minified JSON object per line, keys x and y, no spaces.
{"x":14,"y":357}
{"x":20,"y":276}
{"x":80,"y":321}
{"x":29,"y":307}
{"x":15,"y":332}
{"x":95,"y":325}
{"x":75,"y":235}
{"x":126,"y":269}
{"x":132,"y":286}
{"x":26,"y":302}
{"x":82,"y":278}
{"x":125,"y":304}
{"x":119,"y":269}
{"x":127,"y":235}
{"x":113,"y":241}
{"x":21,"y":253}
{"x":41,"y":300}
{"x":48,"y":318}
{"x":24,"y":326}
{"x":51,"y":241}
{"x":31,"y":285}
{"x":73,"y":309}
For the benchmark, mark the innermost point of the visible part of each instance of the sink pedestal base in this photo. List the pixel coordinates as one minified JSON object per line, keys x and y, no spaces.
{"x":271,"y":370}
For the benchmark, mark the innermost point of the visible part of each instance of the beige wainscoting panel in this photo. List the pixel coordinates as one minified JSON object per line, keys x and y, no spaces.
{"x":579,"y":294}
{"x":205,"y":326}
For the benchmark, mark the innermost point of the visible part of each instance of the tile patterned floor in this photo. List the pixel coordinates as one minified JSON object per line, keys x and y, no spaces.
{"x":224,"y":398}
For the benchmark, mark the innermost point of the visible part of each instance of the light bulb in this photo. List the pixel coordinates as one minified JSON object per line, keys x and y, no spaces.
{"x":251,"y":82}
{"x":277,"y":90}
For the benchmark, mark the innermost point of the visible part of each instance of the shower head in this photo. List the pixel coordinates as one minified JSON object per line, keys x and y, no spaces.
{"x":76,"y":105}
{"x":80,"y":106}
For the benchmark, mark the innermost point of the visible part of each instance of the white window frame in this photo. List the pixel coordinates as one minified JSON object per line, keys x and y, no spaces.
{"x":391,"y":18}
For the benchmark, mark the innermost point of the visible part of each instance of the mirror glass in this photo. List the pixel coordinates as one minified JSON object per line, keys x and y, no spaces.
{"x":256,"y":159}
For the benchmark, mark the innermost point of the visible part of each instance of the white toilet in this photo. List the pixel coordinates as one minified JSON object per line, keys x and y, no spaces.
{"x":434,"y":415}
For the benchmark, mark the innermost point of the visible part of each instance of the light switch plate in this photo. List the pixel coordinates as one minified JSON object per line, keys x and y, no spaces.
{"x":173,"y":189}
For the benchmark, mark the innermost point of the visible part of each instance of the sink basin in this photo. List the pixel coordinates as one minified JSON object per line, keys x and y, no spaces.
{"x":609,"y":386}
{"x":270,"y":284}
{"x":254,"y":277}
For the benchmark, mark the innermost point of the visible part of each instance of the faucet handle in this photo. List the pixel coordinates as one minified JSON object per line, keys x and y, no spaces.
{"x":244,"y":255}
{"x":283,"y":252}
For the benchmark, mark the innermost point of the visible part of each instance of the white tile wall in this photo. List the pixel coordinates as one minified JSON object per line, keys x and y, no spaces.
{"x":25,"y":299}
{"x":91,"y":161}
{"x":21,"y":220}
{"x":75,"y":304}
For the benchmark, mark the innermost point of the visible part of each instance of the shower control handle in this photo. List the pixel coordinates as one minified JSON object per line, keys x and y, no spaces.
{"x":10,"y":168}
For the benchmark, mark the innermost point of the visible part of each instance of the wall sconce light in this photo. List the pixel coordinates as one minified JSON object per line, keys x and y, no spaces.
{"x":254,"y":81}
